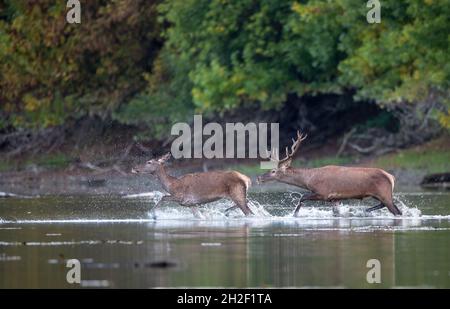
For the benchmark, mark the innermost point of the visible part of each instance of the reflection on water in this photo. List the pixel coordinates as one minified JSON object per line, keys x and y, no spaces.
{"x":119,"y":245}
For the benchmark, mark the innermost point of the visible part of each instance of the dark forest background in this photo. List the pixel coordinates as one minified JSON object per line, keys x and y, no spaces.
{"x":134,"y":67}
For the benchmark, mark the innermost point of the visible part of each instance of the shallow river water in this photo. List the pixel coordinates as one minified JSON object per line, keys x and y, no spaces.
{"x":119,"y":244}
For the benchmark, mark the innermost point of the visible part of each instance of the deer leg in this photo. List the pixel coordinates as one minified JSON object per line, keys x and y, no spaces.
{"x":390,"y":205}
{"x":238,"y":196}
{"x":165,"y":198}
{"x":196,"y":212}
{"x":306,"y":197}
{"x":230,"y":209}
{"x":379,"y":206}
{"x":243,"y":206}
{"x":393,"y":209}
{"x":335,"y":208}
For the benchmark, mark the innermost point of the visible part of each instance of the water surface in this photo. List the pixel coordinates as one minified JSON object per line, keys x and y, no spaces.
{"x":120,"y":245}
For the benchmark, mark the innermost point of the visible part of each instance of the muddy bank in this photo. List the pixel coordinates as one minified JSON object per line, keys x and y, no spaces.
{"x":72,"y":173}
{"x":121,"y":183}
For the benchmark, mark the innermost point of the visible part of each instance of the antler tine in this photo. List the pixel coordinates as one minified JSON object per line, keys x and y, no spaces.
{"x":295,"y":145}
{"x":301,"y":136}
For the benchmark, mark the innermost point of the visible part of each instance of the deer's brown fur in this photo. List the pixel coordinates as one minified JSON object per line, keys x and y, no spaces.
{"x":333,"y":183}
{"x":200,"y":188}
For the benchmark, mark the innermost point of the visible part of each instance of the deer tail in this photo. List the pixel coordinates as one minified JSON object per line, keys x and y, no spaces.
{"x":247,"y":181}
{"x":391,"y":179}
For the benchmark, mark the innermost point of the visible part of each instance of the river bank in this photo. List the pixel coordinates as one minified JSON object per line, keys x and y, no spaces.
{"x":53,"y":177}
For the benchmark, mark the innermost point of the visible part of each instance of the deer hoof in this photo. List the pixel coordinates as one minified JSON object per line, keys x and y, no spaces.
{"x":335,"y":211}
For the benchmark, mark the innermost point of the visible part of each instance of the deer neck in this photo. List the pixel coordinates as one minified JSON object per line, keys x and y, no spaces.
{"x":165,"y":179}
{"x":297,"y":176}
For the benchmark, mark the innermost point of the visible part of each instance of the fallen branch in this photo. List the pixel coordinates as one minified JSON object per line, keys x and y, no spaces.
{"x":345,"y":141}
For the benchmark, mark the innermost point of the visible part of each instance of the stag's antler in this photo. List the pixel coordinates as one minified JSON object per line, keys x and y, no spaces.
{"x":294,"y":148}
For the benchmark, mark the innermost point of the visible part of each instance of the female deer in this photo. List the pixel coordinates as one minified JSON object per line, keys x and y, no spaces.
{"x":199,"y":188}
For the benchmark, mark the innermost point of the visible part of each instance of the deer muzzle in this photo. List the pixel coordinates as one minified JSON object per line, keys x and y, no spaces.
{"x":263,"y":178}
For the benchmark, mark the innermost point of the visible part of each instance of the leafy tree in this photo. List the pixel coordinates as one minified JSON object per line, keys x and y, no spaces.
{"x":165,"y":100}
{"x":150,"y":63}
{"x":261,"y":51}
{"x":51,"y":71}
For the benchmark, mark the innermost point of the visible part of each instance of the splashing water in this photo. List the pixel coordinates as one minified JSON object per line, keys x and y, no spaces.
{"x":155,"y":196}
{"x":258,"y":209}
{"x":282,"y":209}
{"x":266,"y":207}
{"x":87,"y":227}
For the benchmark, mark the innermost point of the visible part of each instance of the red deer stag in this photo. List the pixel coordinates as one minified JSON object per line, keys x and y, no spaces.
{"x":332,"y":183}
{"x":199,"y":188}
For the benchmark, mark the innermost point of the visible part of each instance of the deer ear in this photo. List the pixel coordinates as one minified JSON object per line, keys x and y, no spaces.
{"x":164,"y":158}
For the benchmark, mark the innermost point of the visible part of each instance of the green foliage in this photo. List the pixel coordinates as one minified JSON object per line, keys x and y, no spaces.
{"x":150,"y":63}
{"x":260,"y":51}
{"x":403,"y":58}
{"x":51,"y":70}
{"x":444,"y":117}
{"x":431,"y":161}
{"x":383,"y":120}
{"x":51,"y":161}
{"x":166,"y":99}
{"x":6,"y":166}
{"x":251,"y":51}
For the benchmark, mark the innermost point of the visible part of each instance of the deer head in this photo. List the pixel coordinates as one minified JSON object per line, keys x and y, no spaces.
{"x":151,"y":166}
{"x":285,"y":164}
